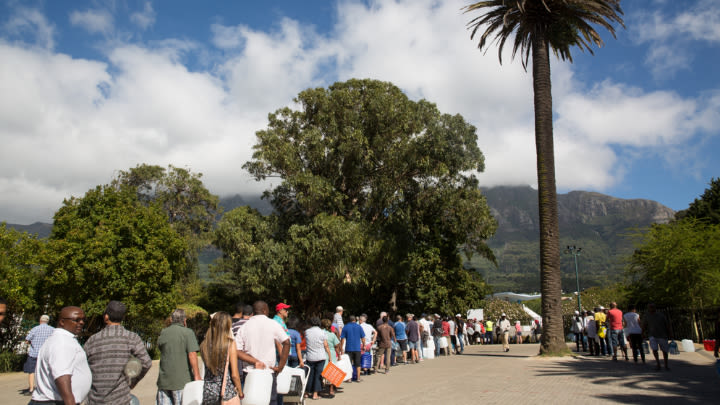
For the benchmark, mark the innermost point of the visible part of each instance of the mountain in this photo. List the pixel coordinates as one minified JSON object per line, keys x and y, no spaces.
{"x":40,"y":228}
{"x":600,"y":224}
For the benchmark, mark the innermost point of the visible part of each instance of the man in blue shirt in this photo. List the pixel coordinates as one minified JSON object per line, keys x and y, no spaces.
{"x":352,"y":338}
{"x":401,"y":336}
{"x":37,"y":336}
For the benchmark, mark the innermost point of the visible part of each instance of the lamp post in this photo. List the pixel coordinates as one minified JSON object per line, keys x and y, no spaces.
{"x":575,"y":251}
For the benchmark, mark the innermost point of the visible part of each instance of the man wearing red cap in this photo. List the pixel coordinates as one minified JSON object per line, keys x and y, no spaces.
{"x":281,"y":315}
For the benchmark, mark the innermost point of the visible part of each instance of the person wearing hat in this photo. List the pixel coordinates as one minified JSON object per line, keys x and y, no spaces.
{"x":503,"y":326}
{"x":577,"y":329}
{"x":37,"y":336}
{"x":108,"y":352}
{"x":460,"y":332}
{"x":601,"y":329}
{"x":281,"y":315}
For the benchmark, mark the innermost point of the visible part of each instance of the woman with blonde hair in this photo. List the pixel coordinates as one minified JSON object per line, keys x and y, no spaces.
{"x":220,"y":358}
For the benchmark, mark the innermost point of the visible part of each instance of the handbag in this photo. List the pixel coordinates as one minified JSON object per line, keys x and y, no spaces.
{"x":234,"y":400}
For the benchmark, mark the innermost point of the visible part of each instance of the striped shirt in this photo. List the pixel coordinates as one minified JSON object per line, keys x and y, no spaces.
{"x":37,"y":336}
{"x":108,"y":351}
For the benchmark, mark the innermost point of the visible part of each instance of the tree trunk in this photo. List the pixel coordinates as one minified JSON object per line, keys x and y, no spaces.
{"x":553,"y":341}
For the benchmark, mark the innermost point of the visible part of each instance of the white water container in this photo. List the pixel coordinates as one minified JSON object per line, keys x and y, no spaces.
{"x":688,"y":345}
{"x":193,"y":393}
{"x":429,"y":352}
{"x":285,"y":377}
{"x":346,"y":367}
{"x":258,"y":387}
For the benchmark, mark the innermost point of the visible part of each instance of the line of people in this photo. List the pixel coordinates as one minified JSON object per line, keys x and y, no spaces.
{"x":606,"y":332}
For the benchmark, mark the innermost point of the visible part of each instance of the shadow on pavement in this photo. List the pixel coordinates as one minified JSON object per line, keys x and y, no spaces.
{"x":685,"y":383}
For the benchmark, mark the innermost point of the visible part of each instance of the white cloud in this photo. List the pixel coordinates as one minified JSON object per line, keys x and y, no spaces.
{"x":93,"y":21}
{"x":32,"y":21}
{"x":145,"y":18}
{"x":68,"y":124}
{"x":669,"y":35}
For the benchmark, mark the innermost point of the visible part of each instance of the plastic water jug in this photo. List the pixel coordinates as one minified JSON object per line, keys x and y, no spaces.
{"x":346,"y":367}
{"x":429,"y":352}
{"x":258,"y":387}
{"x":193,"y":393}
{"x":688,"y":345}
{"x":285,"y":377}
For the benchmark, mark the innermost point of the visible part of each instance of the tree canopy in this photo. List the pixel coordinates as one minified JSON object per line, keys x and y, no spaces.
{"x":108,"y":245}
{"x":369,"y":181}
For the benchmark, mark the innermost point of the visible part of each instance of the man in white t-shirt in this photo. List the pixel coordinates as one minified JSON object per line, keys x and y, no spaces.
{"x":62,"y":372}
{"x":255,"y":342}
{"x":425,"y":326}
{"x":631,"y":321}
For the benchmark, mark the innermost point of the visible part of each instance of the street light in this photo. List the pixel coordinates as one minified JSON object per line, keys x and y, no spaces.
{"x":575,"y":251}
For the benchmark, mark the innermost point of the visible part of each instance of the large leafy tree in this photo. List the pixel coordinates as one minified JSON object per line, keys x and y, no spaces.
{"x":108,"y":245}
{"x":190,"y":208}
{"x":536,"y":27}
{"x":369,"y":179}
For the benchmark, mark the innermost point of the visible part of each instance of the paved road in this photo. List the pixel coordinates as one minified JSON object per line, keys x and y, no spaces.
{"x":484,"y":374}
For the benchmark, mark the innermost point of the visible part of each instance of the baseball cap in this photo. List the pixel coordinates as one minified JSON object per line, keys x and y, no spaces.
{"x":503,"y":314}
{"x":458,"y":315}
{"x":280,"y":306}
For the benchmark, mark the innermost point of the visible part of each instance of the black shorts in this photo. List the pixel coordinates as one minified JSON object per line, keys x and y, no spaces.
{"x":355,"y":358}
{"x":29,"y":366}
{"x":403,"y":345}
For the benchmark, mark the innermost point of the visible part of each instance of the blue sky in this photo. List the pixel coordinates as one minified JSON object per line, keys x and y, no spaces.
{"x":88,"y":88}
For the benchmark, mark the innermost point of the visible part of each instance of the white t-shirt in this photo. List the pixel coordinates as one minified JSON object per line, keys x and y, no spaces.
{"x":61,"y":355}
{"x":369,"y":332}
{"x":257,"y":338}
{"x":314,"y":341}
{"x":452,"y":327}
{"x":632,"y":322}
{"x":590,"y":327}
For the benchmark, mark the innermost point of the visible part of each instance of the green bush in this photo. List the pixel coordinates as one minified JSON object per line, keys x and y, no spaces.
{"x":10,"y":361}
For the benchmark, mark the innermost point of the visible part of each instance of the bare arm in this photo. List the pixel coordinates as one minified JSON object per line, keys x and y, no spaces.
{"x":299,"y":355}
{"x":283,"y":356}
{"x":234,"y":372}
{"x":64,"y":385}
{"x":247,"y":358}
{"x":342,"y":344}
{"x":192,"y":358}
{"x":327,"y":350}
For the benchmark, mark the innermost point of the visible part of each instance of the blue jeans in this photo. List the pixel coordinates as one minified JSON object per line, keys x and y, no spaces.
{"x":462,"y":343}
{"x":314,"y":383}
{"x":436,"y":340}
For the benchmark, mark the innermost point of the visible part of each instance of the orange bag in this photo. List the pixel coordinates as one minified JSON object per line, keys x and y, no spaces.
{"x":333,"y":374}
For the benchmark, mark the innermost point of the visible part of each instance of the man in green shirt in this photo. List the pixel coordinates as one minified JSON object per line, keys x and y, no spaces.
{"x":178,"y":360}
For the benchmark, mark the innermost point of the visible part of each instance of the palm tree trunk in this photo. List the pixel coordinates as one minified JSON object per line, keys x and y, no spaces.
{"x":552,"y":341}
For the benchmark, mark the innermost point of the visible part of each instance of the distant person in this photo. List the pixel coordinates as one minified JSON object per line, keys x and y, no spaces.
{"x":295,"y":357}
{"x":62,"y":374}
{"x":317,"y":351}
{"x":412,"y":330}
{"x":108,"y":352}
{"x":386,"y":336}
{"x":536,"y":330}
{"x":503,"y":327}
{"x":601,"y":328}
{"x":578,"y":327}
{"x":36,"y":338}
{"x":460,"y":333}
{"x":489,"y":332}
{"x":658,"y":330}
{"x":178,"y":360}
{"x":632,"y":325}
{"x":617,"y":336}
{"x":333,"y":353}
{"x":437,"y":333}
{"x":591,"y":332}
{"x":401,"y":336}
{"x":518,"y":333}
{"x":352,"y":341}
{"x":338,"y":319}
{"x":221,"y":363}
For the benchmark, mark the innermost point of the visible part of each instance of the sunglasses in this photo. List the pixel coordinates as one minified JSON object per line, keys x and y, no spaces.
{"x":76,"y":320}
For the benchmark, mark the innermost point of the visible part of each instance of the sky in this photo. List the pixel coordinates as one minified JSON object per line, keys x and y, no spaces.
{"x":89,"y":88}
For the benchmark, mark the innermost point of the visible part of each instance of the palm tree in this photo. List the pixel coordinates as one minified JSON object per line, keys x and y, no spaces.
{"x":538,"y":26}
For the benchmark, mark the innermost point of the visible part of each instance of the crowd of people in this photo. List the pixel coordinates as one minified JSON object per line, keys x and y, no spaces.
{"x":114,"y":360}
{"x":609,"y":332}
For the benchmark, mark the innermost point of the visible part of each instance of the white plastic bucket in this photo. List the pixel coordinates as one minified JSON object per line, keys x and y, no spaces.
{"x":258,"y":387}
{"x":443,"y":343}
{"x":346,"y":367}
{"x":688,"y":345}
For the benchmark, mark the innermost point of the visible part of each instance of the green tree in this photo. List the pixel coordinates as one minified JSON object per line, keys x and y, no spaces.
{"x":20,"y":267}
{"x":537,"y":27}
{"x":189,"y":206}
{"x":367,"y":178}
{"x":707,"y":207}
{"x":108,"y":245}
